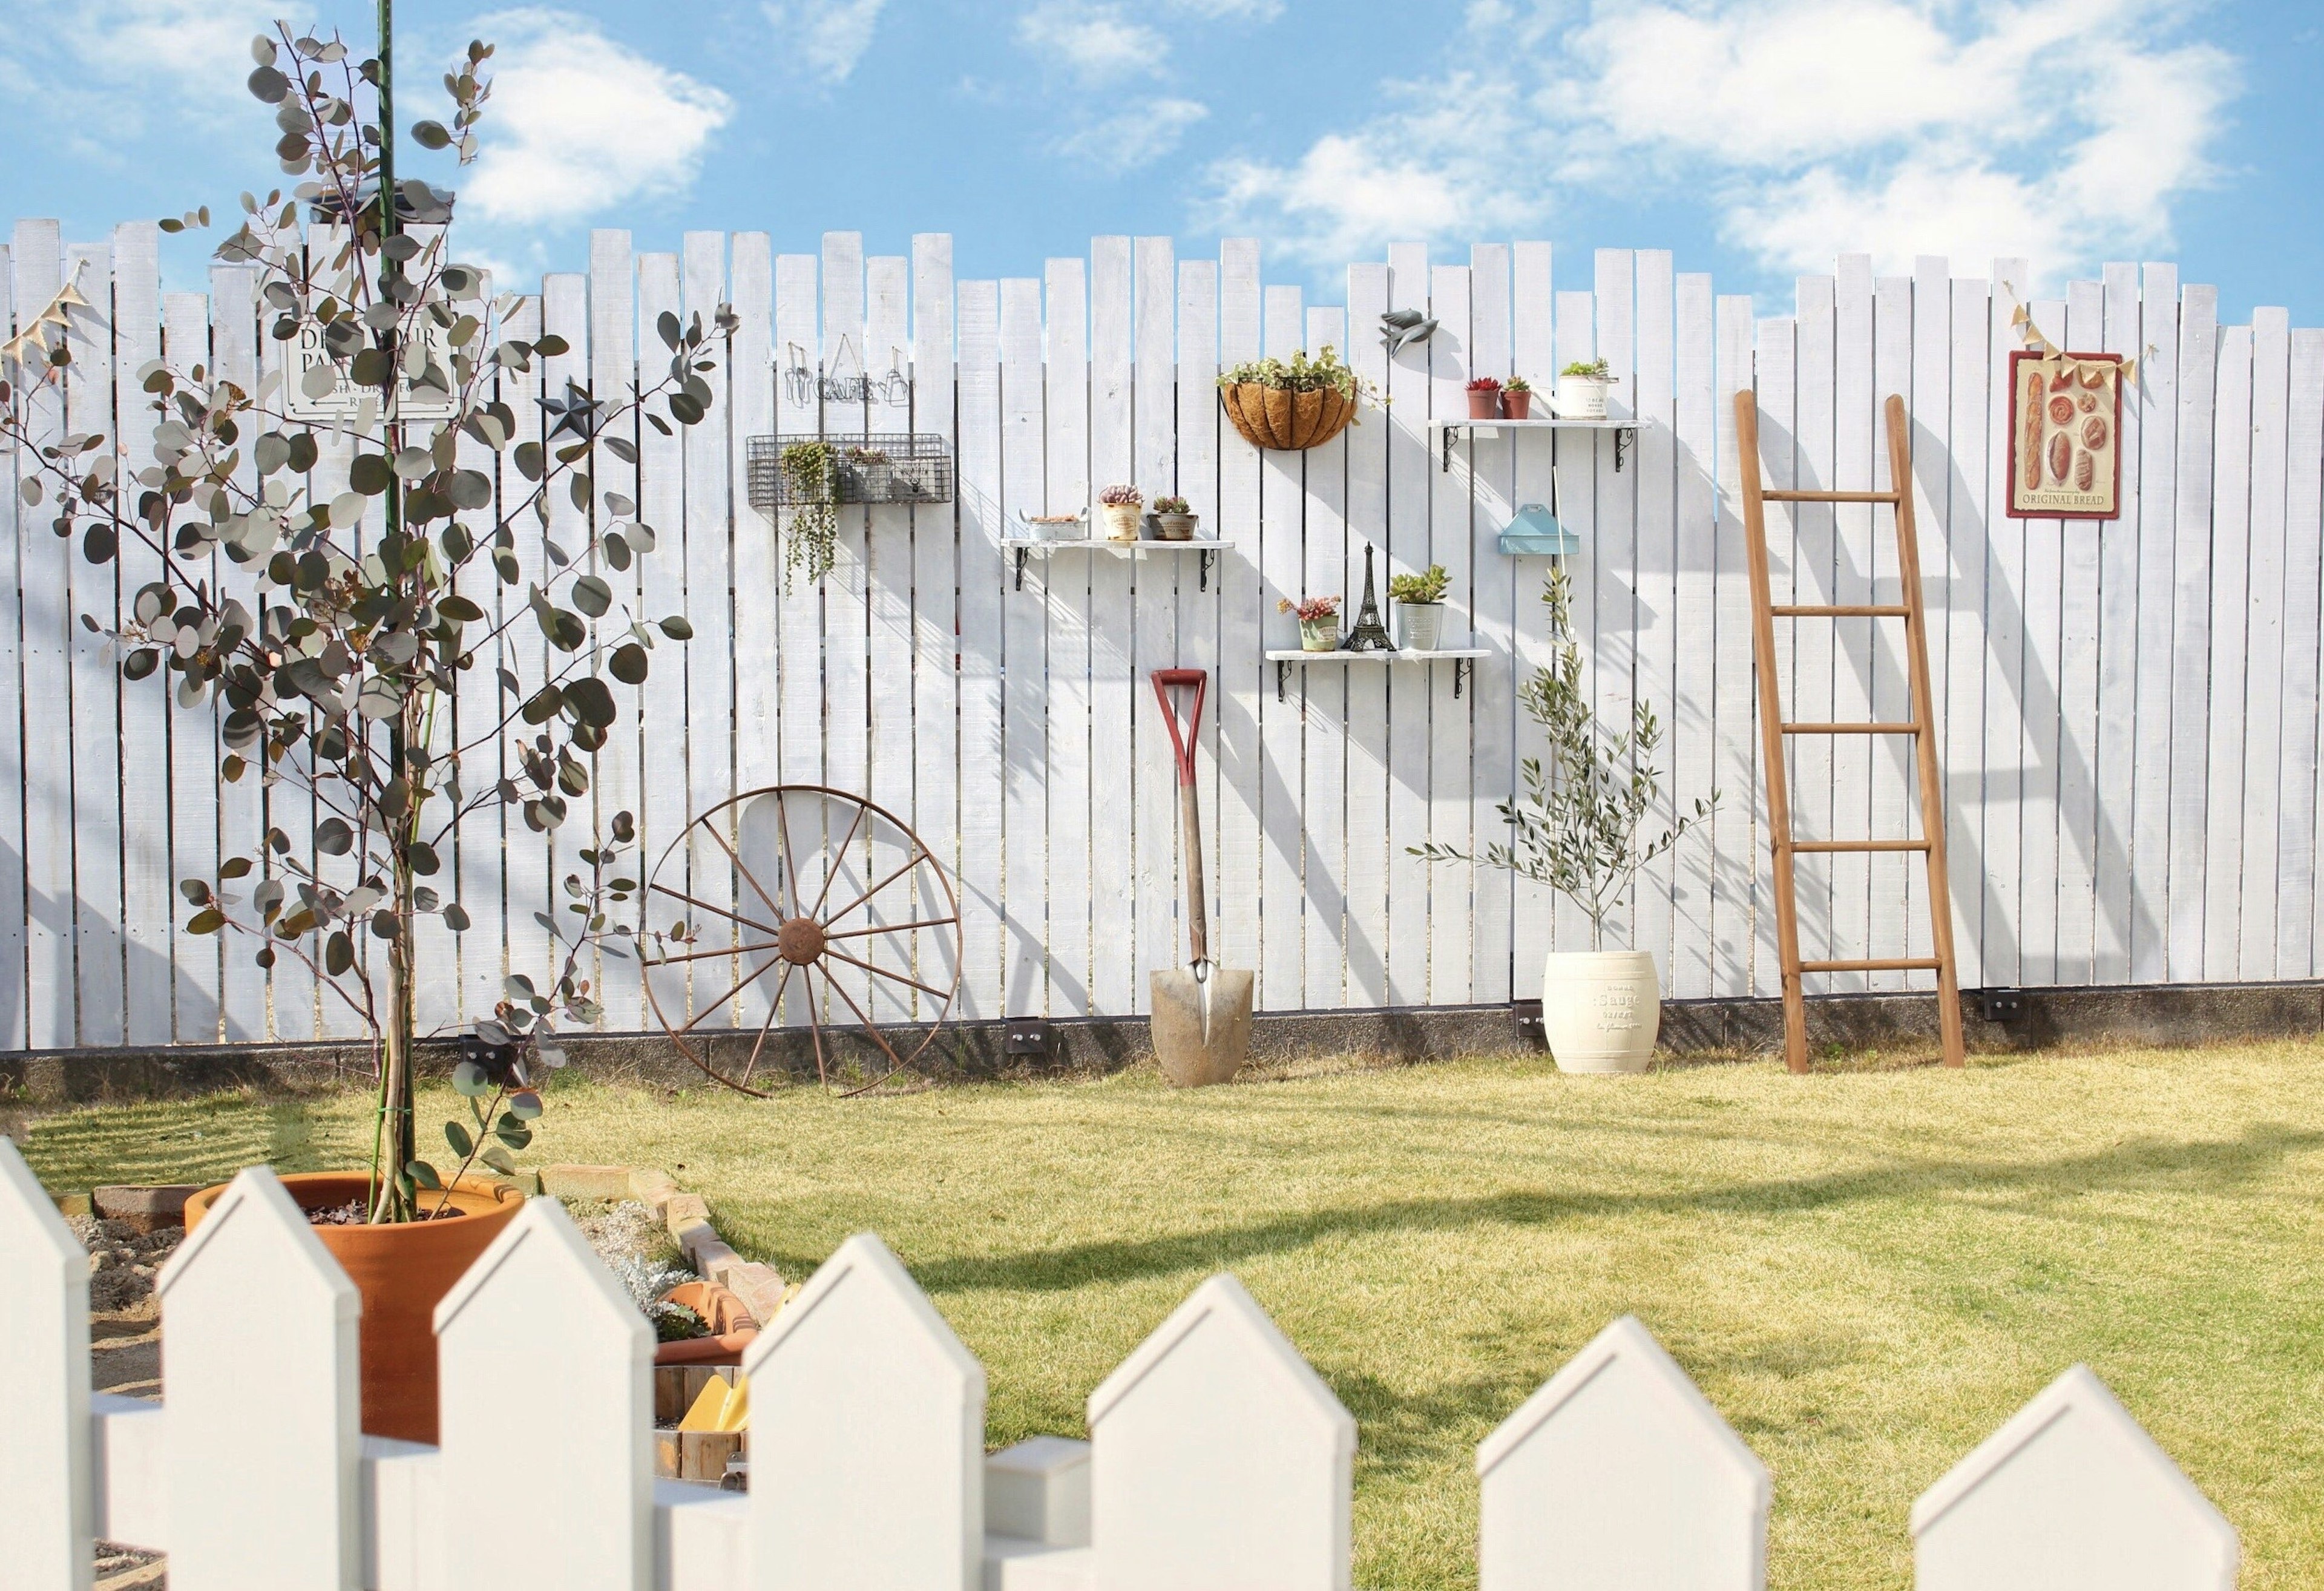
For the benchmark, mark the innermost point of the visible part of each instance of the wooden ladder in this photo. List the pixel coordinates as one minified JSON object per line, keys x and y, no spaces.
{"x":1773,"y":729}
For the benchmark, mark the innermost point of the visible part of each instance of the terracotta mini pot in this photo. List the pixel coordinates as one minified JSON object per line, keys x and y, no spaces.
{"x":402,"y":1273}
{"x":1517,"y":405}
{"x":1485,"y":405}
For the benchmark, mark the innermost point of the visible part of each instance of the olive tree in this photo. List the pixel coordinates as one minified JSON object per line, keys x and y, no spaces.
{"x":331,"y":611}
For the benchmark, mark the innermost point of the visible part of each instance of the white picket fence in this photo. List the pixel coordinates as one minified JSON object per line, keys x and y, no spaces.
{"x":1216,"y":1457}
{"x":2129,"y":710}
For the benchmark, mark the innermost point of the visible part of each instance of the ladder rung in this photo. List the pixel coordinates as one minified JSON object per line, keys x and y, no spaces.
{"x":1852,"y":728}
{"x":1877,"y":964}
{"x":1826,"y":847}
{"x":1774,"y":496}
{"x":1858,"y":611}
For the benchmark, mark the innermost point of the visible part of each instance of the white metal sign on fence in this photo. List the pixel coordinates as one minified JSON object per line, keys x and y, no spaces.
{"x":2129,"y":709}
{"x":1217,"y":1457}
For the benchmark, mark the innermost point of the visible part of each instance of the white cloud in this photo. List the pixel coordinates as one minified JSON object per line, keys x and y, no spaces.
{"x":2059,"y":129}
{"x":578,"y":124}
{"x":830,"y":36}
{"x":1135,"y":137}
{"x":1094,"y":43}
{"x":178,"y":55}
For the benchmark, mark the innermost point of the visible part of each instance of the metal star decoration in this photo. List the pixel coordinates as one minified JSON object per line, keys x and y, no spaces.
{"x":576,"y":412}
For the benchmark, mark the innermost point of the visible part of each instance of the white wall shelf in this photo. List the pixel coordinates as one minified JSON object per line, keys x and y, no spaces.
{"x":1462,"y":660}
{"x":1042,"y":546}
{"x":1626,"y":432}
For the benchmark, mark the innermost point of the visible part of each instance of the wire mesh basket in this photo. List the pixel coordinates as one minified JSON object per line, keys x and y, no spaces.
{"x":886,"y":466}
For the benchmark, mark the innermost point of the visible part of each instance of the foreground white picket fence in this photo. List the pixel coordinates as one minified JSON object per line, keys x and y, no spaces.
{"x":1217,"y":1459}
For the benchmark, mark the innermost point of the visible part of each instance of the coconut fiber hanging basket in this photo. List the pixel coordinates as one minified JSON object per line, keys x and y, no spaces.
{"x":1287,"y":421}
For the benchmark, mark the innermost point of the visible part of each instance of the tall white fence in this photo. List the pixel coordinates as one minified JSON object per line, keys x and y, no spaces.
{"x":2129,"y":709}
{"x":1216,"y":1457}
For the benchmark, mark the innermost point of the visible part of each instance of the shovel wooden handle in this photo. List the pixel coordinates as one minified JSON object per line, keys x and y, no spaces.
{"x":1198,"y":925}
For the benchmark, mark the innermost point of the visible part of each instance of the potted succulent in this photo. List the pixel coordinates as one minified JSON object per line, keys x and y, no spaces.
{"x":872,"y":472}
{"x":1581,"y":388}
{"x":1485,"y":398}
{"x":1293,"y":404}
{"x":1120,"y":509}
{"x":1576,"y":830}
{"x":1419,"y":602}
{"x":318,"y":609}
{"x":1173,"y":519}
{"x":1517,"y":397}
{"x":1319,"y":621}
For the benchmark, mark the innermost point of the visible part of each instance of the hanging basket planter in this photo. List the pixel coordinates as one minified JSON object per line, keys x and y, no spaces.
{"x":1286,"y":421}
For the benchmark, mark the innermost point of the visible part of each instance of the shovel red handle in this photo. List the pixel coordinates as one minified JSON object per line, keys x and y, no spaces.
{"x":1198,"y":927}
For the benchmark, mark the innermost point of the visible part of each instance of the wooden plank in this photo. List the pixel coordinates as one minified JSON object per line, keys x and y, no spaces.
{"x":889,"y":567}
{"x":1412,"y":469}
{"x":2077,"y":863}
{"x":37,"y":262}
{"x":1777,"y":400}
{"x":983,"y":585}
{"x":2303,"y":546}
{"x":756,"y":567}
{"x":2008,"y":713}
{"x":1366,"y":733}
{"x":1323,"y":693}
{"x":147,"y":891}
{"x":195,"y":787}
{"x":1574,"y":461}
{"x":1073,"y":383}
{"x":1025,"y":818}
{"x":1816,"y":684}
{"x":1653,"y":589}
{"x":2266,"y":652}
{"x":1156,"y":600}
{"x":704,"y":665}
{"x":935,"y":583}
{"x":1856,"y":559}
{"x":476,"y":858}
{"x":95,"y":679}
{"x":1114,"y":457}
{"x":657,"y":791}
{"x":1492,"y":620}
{"x":1930,"y":401}
{"x":1234,"y":910}
{"x":2194,"y":362}
{"x":2042,"y":685}
{"x":1735,"y":830}
{"x":2121,"y":917}
{"x":18,"y":525}
{"x":846,"y":599}
{"x":1533,"y":354}
{"x":1283,"y":570}
{"x":2226,"y":709}
{"x":1898,"y":918}
{"x":1617,"y":615}
{"x":1693,"y":635}
{"x":1966,"y":551}
{"x":1452,"y":894}
{"x":2156,"y":394}
{"x":799,"y":610}
{"x":640,"y":769}
{"x":1199,"y":445}
{"x":307,"y":1004}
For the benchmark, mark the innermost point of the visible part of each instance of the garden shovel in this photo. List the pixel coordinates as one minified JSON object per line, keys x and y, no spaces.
{"x":1201,"y":1015}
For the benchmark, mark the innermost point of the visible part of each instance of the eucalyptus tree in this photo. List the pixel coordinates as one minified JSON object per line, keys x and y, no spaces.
{"x":332,"y":547}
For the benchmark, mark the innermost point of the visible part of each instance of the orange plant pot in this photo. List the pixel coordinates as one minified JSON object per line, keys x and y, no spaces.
{"x":402,"y":1273}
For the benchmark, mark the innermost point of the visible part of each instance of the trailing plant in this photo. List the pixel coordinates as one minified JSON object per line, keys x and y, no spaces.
{"x":326,"y":612}
{"x":1171,"y":505}
{"x":1299,"y":374}
{"x":811,"y":545}
{"x":1589,"y":369}
{"x":1576,"y":828}
{"x":1121,"y":497}
{"x":1310,"y":610}
{"x":1421,"y":589}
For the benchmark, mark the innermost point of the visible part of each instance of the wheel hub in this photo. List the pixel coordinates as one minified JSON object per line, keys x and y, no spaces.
{"x":799,"y":940}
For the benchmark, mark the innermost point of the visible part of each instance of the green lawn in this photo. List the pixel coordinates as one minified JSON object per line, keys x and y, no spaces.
{"x":1866,"y":1271}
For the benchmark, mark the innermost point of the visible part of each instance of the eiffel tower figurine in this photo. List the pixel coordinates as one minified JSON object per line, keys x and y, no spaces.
{"x":1369,"y":635}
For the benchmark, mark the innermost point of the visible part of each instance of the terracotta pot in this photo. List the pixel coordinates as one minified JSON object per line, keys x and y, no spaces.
{"x":403,"y":1272}
{"x":1288,"y":422}
{"x":1485,"y":405}
{"x":1517,"y":405}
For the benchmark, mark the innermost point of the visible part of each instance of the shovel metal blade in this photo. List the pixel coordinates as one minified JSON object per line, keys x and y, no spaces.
{"x":1201,"y":1026}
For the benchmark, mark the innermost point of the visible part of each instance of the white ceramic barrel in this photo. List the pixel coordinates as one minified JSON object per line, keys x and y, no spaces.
{"x":1600,"y":1010}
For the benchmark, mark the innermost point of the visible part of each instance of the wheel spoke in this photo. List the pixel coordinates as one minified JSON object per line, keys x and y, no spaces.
{"x":918,"y":856}
{"x":883,"y":972}
{"x":838,"y":855}
{"x":815,"y":1025}
{"x":774,"y":1009}
{"x":891,"y":928}
{"x":730,"y":994}
{"x":662,"y":889}
{"x":741,"y":866}
{"x":790,"y":863}
{"x":740,"y":950}
{"x":870,"y":1026}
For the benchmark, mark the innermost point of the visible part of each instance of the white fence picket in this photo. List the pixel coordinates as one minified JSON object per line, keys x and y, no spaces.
{"x":45,"y":1507}
{"x":1074,"y":474}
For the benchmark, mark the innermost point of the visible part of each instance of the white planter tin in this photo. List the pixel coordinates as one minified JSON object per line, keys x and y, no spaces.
{"x":1581,"y":398}
{"x":1419,"y":625}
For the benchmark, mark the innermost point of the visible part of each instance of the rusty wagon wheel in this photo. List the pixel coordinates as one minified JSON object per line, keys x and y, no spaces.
{"x":800,"y":908}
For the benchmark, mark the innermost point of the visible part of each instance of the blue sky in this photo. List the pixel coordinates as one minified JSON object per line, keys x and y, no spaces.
{"x":1754,"y":138}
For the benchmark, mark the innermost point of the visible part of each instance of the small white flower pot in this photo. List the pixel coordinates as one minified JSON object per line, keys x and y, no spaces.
{"x":1582,"y":397}
{"x":1419,"y":625}
{"x":1120,"y":520}
{"x":1600,"y":1010}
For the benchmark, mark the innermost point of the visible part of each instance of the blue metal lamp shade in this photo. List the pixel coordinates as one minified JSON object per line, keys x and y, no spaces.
{"x":1535,"y":531}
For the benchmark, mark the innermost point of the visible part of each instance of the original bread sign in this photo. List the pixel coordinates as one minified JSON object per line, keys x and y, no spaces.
{"x":2065,"y":434}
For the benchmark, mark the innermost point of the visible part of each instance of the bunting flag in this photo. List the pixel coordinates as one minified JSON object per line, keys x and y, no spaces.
{"x":2031,"y":334}
{"x":36,"y":333}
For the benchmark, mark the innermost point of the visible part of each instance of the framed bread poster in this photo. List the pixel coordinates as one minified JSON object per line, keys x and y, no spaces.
{"x":2065,"y":435}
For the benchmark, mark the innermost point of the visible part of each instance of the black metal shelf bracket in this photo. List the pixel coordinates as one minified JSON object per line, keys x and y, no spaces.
{"x":1282,"y":673}
{"x":1020,"y":568}
{"x":1460,"y":667}
{"x":1204,"y":559}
